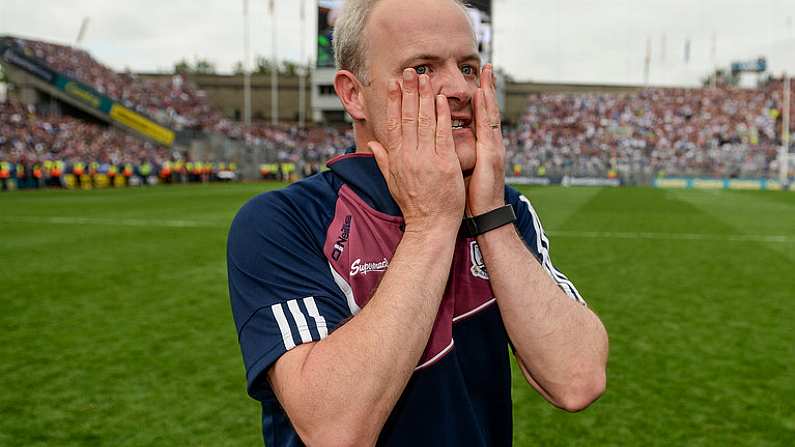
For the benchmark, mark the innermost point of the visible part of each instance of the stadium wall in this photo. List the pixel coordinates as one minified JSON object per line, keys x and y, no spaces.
{"x":751,"y":184}
{"x":225,"y":92}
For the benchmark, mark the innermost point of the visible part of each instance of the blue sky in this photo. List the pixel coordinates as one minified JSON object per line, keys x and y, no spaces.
{"x":585,"y":41}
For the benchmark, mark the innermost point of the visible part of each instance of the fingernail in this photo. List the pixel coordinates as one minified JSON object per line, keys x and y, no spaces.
{"x":407,"y":74}
{"x":423,"y":80}
{"x":393,"y":85}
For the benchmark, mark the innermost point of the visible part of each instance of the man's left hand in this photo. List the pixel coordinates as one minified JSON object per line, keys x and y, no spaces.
{"x":486,"y":189}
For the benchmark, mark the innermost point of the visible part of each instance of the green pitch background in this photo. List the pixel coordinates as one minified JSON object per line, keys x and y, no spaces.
{"x":115,"y":327}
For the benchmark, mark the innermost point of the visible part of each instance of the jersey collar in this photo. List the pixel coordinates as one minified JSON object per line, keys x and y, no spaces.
{"x":360,"y":171}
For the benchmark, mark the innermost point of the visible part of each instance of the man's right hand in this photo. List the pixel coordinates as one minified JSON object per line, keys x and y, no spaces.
{"x":418,"y":158}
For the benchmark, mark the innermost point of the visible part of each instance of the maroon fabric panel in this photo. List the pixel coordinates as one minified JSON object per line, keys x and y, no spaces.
{"x":359,"y":246}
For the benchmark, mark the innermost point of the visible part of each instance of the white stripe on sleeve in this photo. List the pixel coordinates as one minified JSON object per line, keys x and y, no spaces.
{"x":300,"y":321}
{"x":542,"y":245}
{"x":320,"y":321}
{"x":284,"y":327}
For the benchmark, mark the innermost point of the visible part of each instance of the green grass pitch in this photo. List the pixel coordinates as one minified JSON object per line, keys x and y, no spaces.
{"x":115,"y":326}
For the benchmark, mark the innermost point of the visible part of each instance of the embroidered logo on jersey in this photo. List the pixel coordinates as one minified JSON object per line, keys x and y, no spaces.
{"x":478,"y":268}
{"x":366,"y":267}
{"x":342,"y":239}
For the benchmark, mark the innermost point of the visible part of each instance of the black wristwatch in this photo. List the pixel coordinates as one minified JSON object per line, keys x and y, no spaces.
{"x":477,"y":225}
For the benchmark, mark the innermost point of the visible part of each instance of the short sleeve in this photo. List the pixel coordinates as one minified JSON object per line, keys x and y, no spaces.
{"x":529,"y":226}
{"x":280,"y":284}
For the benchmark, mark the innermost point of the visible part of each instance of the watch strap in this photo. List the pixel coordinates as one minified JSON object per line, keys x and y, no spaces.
{"x":477,"y":225}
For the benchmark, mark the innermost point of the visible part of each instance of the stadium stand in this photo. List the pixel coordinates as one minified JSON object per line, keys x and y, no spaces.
{"x":25,"y":134}
{"x":30,"y":137}
{"x":173,"y":102}
{"x":61,"y":151}
{"x":723,"y":132}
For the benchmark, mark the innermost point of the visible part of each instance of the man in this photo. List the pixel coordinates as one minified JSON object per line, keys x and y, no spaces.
{"x":366,"y":312}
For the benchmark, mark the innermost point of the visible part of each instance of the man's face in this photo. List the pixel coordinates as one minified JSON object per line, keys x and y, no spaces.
{"x":433,"y":37}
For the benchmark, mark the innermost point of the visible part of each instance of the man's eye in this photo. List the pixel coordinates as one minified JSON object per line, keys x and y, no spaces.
{"x":422,"y":69}
{"x":468,"y":70}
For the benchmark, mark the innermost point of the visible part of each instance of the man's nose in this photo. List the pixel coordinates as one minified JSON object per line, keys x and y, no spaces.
{"x":455,"y":86}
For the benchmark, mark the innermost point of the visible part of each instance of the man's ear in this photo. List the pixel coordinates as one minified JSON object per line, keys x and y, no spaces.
{"x":349,"y":90}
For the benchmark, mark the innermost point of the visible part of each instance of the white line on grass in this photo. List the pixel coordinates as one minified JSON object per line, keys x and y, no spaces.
{"x":675,"y":236}
{"x":171,"y":223}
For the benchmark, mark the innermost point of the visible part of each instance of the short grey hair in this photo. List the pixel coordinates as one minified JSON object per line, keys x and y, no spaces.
{"x":350,"y":46}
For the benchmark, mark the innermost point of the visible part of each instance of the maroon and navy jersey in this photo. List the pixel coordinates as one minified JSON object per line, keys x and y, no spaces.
{"x":305,"y":259}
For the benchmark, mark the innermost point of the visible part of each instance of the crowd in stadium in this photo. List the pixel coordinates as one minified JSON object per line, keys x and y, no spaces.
{"x":722,"y":132}
{"x":38,"y":150}
{"x":25,"y":134}
{"x":173,"y":102}
{"x":719,"y":132}
{"x":289,"y":141}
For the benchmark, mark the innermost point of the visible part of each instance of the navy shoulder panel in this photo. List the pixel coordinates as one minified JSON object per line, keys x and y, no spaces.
{"x":281,"y":288}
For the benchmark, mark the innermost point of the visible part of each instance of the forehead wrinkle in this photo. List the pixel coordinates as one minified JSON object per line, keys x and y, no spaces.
{"x":434,"y":46}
